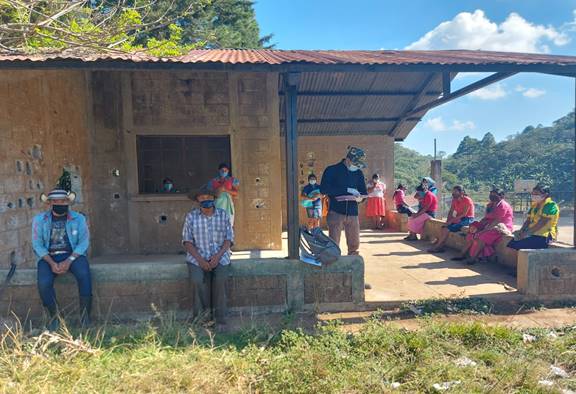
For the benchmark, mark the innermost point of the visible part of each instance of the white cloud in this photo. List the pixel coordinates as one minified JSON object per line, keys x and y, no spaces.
{"x":475,"y":31}
{"x":438,"y":124}
{"x":534,"y":93}
{"x":530,"y":92}
{"x":492,"y":92}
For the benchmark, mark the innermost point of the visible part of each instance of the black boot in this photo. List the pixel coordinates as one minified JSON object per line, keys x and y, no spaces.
{"x":54,"y":319}
{"x":85,"y":311}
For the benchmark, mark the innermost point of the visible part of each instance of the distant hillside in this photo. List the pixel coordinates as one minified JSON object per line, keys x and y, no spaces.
{"x":542,"y":153}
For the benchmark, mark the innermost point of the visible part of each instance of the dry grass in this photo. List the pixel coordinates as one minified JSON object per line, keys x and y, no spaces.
{"x":178,"y":357}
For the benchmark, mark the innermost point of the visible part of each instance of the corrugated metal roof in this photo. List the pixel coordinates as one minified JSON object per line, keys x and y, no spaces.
{"x":321,"y":57}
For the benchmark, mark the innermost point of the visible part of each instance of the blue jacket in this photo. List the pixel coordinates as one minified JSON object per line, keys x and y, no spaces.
{"x":76,"y":229}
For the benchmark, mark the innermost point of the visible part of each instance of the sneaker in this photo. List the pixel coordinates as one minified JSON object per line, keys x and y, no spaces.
{"x":367,"y":286}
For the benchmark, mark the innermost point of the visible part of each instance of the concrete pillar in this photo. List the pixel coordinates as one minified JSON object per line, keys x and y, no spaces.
{"x":436,"y":174}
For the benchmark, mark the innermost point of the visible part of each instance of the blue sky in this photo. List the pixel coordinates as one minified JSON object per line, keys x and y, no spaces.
{"x":520,"y":25}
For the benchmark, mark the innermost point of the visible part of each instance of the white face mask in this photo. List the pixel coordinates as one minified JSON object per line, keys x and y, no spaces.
{"x":353,"y":168}
{"x":312,"y":181}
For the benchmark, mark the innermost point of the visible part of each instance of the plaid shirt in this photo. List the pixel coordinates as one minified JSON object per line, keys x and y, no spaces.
{"x":207,"y":234}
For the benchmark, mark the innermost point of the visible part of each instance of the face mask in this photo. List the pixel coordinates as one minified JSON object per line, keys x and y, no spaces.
{"x":493,"y":198}
{"x":422,"y":194}
{"x":456,"y":196}
{"x":207,"y":204}
{"x":312,"y":181}
{"x":60,"y":209}
{"x":353,"y":168}
{"x":168,"y":186}
{"x":376,"y":180}
{"x":223,"y":173}
{"x":537,"y":198}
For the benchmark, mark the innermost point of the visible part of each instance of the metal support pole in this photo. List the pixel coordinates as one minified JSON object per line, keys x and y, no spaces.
{"x":291,"y":115}
{"x":574,"y":172}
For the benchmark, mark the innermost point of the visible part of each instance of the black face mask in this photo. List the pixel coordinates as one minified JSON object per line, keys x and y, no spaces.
{"x":494,"y":198}
{"x":60,"y":209}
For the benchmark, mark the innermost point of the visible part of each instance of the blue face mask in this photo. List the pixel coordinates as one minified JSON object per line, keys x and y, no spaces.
{"x":223,"y":173}
{"x":353,"y":168}
{"x":207,"y":204}
{"x":168,"y":186}
{"x":422,"y":194}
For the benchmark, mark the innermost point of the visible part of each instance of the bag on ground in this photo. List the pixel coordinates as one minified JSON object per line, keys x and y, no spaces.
{"x":317,"y":248}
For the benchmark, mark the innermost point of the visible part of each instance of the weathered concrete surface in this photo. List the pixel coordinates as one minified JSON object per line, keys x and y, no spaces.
{"x":44,"y":128}
{"x":547,"y":273}
{"x":400,"y":271}
{"x":132,"y":286}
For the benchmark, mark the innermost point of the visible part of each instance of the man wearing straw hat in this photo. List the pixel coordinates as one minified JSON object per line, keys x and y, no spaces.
{"x":60,"y":239}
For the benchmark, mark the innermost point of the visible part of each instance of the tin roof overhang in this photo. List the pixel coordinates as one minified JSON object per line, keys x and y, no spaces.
{"x":340,"y":92}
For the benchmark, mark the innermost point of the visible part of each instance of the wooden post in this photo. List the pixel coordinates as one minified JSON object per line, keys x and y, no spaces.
{"x":291,"y":114}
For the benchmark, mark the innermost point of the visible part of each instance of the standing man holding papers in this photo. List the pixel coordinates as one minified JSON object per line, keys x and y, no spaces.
{"x":345,"y":186}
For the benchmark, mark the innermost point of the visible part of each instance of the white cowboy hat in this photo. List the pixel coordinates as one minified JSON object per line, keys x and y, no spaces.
{"x":58,"y":194}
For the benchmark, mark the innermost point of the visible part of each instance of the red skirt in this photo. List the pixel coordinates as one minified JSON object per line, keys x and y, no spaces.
{"x":376,"y":206}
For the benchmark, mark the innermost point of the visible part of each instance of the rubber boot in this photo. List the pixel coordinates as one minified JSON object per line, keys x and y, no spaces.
{"x":85,"y":311}
{"x":54,"y":319}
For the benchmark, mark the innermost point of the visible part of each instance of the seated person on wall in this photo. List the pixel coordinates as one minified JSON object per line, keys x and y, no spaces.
{"x":483,"y":236}
{"x":540,"y":228}
{"x":226,"y":188}
{"x":344,"y":184}
{"x":430,"y":184}
{"x":60,"y":239}
{"x":427,"y":207}
{"x":207,"y":236}
{"x":312,"y":200}
{"x":461,"y":214}
{"x":400,"y":201}
{"x":376,"y":205}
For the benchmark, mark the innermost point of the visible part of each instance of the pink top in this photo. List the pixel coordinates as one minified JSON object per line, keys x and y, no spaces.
{"x":430,"y":201}
{"x":399,"y":196}
{"x":502,"y":212}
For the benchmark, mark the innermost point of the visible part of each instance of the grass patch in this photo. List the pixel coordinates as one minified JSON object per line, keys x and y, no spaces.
{"x":178,"y":357}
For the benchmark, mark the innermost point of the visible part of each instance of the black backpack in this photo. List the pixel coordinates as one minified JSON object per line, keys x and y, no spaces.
{"x":317,"y":248}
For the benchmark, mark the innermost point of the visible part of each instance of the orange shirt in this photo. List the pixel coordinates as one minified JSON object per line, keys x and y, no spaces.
{"x":463,"y":207}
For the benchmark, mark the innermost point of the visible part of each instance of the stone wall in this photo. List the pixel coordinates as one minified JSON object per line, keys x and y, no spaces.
{"x":44,"y":128}
{"x":317,"y":153}
{"x":125,"y":290}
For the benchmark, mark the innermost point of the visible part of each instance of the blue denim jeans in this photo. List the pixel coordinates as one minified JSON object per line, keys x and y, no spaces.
{"x":79,"y":268}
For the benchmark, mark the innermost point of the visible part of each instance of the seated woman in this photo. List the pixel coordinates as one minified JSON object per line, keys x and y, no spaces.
{"x":430,"y":184}
{"x":540,"y":228}
{"x":427,"y":209}
{"x":484,"y":235}
{"x":400,"y":201}
{"x":461,"y":214}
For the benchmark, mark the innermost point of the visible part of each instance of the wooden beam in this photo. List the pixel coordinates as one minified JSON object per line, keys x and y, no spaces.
{"x":414,"y":102}
{"x":461,"y":92}
{"x":446,"y":82}
{"x":359,"y":94}
{"x":291,"y":81}
{"x":353,"y":120}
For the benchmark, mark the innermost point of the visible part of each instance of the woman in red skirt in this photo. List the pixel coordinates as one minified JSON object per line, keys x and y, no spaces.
{"x":376,"y":206}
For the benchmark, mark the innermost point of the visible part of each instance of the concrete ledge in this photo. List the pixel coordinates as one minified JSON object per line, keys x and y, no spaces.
{"x":126,"y":290}
{"x":504,"y":255}
{"x":547,"y":273}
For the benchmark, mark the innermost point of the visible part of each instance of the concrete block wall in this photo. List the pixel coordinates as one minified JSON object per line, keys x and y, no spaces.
{"x":549,"y":273}
{"x":44,"y":128}
{"x":139,"y":289}
{"x":317,"y":153}
{"x":242,"y":106}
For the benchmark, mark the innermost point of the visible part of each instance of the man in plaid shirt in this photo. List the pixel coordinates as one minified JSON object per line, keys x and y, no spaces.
{"x":208,"y":236}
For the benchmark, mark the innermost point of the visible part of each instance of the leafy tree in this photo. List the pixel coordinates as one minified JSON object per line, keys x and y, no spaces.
{"x":158,"y":27}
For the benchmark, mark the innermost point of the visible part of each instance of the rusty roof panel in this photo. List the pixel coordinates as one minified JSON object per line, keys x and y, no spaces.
{"x":326,"y":57}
